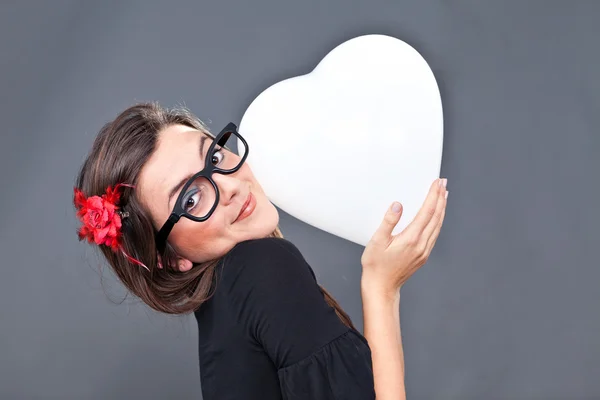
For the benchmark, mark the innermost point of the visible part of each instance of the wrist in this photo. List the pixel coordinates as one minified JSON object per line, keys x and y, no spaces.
{"x":374,"y":290}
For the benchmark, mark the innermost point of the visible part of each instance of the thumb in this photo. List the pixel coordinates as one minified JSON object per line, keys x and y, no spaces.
{"x":390,"y":219}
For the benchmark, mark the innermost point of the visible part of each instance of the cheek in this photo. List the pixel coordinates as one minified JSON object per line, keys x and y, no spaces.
{"x":192,"y":237}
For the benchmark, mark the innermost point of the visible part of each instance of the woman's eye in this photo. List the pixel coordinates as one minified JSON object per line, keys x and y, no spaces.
{"x":191,"y":201}
{"x":217,"y":157}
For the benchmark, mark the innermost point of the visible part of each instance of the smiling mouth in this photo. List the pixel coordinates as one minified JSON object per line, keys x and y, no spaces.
{"x":247,"y":208}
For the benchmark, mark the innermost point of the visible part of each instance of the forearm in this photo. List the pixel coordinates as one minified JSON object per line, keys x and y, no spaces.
{"x":381,"y":314}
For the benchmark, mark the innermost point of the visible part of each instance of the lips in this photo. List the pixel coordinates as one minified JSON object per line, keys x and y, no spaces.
{"x":247,"y":208}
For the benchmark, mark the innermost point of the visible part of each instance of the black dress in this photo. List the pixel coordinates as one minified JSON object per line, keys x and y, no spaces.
{"x":267,"y":332}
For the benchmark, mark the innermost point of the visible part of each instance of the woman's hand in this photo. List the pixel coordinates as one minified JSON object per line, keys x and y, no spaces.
{"x":388,"y":261}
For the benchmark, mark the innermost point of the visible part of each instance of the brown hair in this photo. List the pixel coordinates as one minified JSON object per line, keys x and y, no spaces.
{"x":119,"y":152}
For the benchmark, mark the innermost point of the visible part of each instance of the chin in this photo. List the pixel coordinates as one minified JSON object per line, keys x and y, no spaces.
{"x":269,"y":219}
{"x":264,"y":220}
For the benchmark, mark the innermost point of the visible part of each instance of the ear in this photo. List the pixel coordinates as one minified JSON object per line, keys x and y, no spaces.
{"x":183,"y":264}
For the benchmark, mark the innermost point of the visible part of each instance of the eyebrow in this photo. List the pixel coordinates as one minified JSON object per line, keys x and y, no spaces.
{"x":184,"y":180}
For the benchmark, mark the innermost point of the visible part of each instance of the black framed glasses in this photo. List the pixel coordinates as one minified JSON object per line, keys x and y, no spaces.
{"x":199,"y":196}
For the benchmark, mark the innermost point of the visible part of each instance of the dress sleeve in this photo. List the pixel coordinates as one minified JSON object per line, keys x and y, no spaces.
{"x":277,"y":301}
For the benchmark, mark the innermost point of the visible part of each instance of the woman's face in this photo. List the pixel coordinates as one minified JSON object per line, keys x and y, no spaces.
{"x":177,"y":157}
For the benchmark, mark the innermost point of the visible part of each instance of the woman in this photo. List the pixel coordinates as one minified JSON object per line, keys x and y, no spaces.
{"x":187,"y":228}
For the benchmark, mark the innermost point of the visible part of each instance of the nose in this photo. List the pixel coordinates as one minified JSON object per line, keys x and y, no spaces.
{"x":229,"y":187}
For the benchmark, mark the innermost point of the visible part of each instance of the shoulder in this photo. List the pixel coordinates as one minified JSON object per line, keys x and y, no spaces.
{"x":273,"y":295}
{"x":266,"y":249}
{"x":265,"y":261}
{"x":265,"y":279}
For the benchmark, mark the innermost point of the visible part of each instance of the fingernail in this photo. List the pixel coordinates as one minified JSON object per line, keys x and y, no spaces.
{"x":445,"y":182}
{"x":440,"y":182}
{"x":446,"y":195}
{"x":396,"y":207}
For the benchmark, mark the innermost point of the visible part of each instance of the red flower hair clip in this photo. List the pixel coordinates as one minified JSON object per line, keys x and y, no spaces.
{"x":102,"y":220}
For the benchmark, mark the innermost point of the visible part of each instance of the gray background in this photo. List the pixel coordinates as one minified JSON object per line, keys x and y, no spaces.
{"x":506,"y":308}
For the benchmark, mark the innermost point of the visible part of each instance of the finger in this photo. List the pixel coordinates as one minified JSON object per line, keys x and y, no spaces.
{"x":439,"y":207}
{"x":427,"y":210}
{"x":436,"y":232}
{"x":433,"y":239}
{"x":383,"y":233}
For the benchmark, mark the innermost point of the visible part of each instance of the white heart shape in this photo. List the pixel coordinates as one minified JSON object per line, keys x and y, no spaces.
{"x":335,"y":147}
